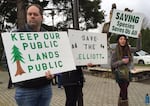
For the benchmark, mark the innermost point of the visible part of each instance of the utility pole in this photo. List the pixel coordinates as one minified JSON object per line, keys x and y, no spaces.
{"x":75,"y":7}
{"x":53,"y":14}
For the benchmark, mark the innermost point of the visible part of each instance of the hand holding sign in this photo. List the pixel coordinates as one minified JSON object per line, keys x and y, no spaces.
{"x":49,"y":75}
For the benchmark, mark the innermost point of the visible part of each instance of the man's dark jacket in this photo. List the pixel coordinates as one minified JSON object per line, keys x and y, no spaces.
{"x":74,"y":77}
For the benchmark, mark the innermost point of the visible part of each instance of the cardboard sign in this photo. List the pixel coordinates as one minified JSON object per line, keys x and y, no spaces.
{"x":88,"y":47}
{"x":31,"y":54}
{"x":126,"y":23}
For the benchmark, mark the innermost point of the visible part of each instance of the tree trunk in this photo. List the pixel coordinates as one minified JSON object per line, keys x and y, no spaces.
{"x":21,"y":19}
{"x":19,"y":68}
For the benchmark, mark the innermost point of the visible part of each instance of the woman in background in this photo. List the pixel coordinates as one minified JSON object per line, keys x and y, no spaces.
{"x":121,"y":64}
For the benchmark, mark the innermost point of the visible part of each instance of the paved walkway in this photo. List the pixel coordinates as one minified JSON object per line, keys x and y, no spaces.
{"x":97,"y":92}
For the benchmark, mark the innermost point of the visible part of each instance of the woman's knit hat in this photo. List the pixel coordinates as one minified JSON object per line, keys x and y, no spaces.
{"x":121,"y":36}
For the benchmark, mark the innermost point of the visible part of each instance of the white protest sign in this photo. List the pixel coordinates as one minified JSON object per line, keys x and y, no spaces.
{"x":31,"y":54}
{"x":88,"y":47}
{"x":126,"y":23}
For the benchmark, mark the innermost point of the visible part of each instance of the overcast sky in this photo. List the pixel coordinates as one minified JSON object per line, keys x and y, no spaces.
{"x":139,"y":6}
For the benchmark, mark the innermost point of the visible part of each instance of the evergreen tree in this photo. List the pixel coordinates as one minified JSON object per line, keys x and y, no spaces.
{"x":17,"y":57}
{"x":145,"y":39}
{"x":90,"y":13}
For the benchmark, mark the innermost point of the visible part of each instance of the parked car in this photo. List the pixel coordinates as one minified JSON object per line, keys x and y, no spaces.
{"x":141,"y":57}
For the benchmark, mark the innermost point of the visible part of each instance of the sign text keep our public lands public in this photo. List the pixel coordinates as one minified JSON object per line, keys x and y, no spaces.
{"x":30,"y":54}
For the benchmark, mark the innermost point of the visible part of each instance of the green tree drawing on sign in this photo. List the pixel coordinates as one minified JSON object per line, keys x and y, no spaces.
{"x":17,"y":57}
